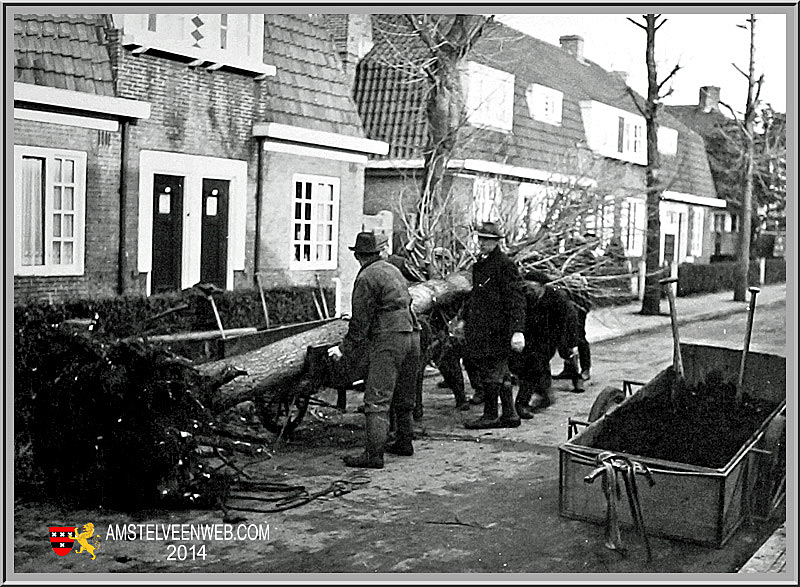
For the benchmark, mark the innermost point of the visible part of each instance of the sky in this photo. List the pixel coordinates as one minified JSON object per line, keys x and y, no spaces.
{"x":705,"y":45}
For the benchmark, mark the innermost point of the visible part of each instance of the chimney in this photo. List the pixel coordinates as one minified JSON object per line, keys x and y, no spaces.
{"x":572,"y":44}
{"x":709,"y":98}
{"x":621,"y":75}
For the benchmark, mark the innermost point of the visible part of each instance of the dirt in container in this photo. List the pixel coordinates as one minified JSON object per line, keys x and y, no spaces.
{"x":704,"y":426}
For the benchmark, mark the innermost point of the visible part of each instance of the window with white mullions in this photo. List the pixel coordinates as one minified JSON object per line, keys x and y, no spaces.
{"x":315,"y":223}
{"x":49,"y":196}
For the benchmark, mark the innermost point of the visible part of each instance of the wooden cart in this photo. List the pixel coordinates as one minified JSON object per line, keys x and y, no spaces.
{"x":687,"y":502}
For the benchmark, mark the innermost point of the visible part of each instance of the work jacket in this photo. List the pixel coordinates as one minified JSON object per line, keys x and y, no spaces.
{"x":495,"y":308}
{"x":380,"y":304}
{"x":550,"y":323}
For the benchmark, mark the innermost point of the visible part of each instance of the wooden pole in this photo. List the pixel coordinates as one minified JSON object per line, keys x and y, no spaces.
{"x":263,"y":299}
{"x":754,"y":291}
{"x":216,"y":315}
{"x":677,"y":361}
{"x":322,"y":295}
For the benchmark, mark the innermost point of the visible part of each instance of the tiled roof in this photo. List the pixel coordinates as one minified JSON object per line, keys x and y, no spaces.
{"x":65,"y":51}
{"x":309,"y":88}
{"x":392,"y":109}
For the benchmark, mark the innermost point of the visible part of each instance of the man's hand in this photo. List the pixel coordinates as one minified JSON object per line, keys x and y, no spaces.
{"x":517,"y":342}
{"x":335,"y":353}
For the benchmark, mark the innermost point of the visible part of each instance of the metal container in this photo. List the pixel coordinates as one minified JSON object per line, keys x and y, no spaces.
{"x":688,"y":502}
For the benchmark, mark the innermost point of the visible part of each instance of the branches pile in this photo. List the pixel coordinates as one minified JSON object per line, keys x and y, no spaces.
{"x":110,"y":422}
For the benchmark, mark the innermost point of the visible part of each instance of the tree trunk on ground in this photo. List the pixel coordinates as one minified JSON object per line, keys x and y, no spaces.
{"x":281,"y":365}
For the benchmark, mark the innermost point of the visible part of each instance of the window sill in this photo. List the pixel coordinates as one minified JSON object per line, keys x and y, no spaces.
{"x":47,"y":272}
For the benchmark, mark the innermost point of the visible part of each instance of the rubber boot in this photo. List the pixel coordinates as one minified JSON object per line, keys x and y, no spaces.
{"x":376,"y":429}
{"x":509,"y":417}
{"x":489,"y":418}
{"x":402,"y":444}
{"x":523,"y":401}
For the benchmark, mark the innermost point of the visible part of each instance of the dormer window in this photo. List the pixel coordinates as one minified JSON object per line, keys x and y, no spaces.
{"x":211,"y":40}
{"x":489,"y":96}
{"x":630,"y":137}
{"x":544,"y":104}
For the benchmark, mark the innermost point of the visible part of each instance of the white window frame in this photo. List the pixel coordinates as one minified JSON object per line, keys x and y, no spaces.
{"x":544,"y":104}
{"x":244,"y":34}
{"x":489,"y":96}
{"x":667,"y":141}
{"x":696,"y":244}
{"x":48,"y":269}
{"x":487,"y":199}
{"x":315,"y":222}
{"x":631,"y":140}
{"x":632,"y":233}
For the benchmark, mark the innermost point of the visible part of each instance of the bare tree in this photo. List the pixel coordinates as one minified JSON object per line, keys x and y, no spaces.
{"x":651,"y":302}
{"x":746,"y":126}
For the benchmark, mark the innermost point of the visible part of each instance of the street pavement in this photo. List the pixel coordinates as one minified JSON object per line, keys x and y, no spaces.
{"x":613,"y":322}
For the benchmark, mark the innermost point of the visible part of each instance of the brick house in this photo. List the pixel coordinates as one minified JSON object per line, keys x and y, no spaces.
{"x":707,"y":120}
{"x":539,"y":115}
{"x":237,"y":157}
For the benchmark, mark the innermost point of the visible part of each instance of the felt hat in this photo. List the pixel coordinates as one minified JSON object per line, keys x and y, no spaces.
{"x":489,"y":230}
{"x":368,"y":242}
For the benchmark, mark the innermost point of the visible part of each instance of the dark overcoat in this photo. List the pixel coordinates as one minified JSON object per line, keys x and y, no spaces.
{"x":550,"y":322}
{"x":495,"y":308}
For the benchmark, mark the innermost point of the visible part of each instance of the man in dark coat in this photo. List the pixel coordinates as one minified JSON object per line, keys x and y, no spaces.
{"x":384,"y":329}
{"x":550,"y":324}
{"x":494,"y":319}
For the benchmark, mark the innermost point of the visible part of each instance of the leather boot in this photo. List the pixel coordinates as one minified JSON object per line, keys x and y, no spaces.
{"x":376,"y":427}
{"x":477,"y":398}
{"x":402,"y":444}
{"x":461,"y":398}
{"x":489,"y":418}
{"x":523,"y":401}
{"x":509,"y":417}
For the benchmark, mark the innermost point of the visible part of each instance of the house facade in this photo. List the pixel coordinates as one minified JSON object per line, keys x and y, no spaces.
{"x":716,"y":128}
{"x":239,"y":159}
{"x":539,"y":117}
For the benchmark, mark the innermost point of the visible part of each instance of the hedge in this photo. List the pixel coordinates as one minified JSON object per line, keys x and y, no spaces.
{"x":125,"y":316}
{"x":695,"y":278}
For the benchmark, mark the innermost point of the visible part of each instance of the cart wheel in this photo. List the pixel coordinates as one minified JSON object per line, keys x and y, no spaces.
{"x":606,"y":399}
{"x":283,"y":412}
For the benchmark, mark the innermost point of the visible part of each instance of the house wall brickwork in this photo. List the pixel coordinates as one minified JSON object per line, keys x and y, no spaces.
{"x":277,"y":217}
{"x":102,"y":211}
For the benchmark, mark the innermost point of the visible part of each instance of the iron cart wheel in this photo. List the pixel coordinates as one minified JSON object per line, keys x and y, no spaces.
{"x":281,"y":413}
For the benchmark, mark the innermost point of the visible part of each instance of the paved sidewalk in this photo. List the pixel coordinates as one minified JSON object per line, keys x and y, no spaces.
{"x":607,"y":323}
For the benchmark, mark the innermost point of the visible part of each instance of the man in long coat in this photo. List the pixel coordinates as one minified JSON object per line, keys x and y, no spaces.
{"x":494,"y":320}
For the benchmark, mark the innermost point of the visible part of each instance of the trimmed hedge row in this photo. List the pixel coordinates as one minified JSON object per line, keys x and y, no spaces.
{"x":696,"y":278}
{"x":131,"y":315}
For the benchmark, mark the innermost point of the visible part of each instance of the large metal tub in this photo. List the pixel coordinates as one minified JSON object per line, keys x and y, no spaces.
{"x":687,"y":502}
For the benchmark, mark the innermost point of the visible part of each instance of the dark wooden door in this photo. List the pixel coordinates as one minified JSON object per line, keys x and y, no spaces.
{"x":669,"y":249}
{"x":167,"y":233}
{"x":214,"y":232}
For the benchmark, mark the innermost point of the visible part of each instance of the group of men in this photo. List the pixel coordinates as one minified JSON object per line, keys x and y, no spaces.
{"x":513,"y":326}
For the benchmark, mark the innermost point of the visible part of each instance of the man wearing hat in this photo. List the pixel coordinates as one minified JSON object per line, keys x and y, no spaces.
{"x":383,"y":329}
{"x":494,"y":323}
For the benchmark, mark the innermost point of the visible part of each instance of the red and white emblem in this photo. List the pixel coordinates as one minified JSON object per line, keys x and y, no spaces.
{"x":61,"y":539}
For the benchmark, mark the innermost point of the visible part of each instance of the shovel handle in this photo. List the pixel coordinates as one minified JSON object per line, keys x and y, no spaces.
{"x":751,"y":310}
{"x":677,"y":361}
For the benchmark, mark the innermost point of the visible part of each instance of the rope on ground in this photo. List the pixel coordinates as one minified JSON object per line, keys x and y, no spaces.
{"x":293,"y":496}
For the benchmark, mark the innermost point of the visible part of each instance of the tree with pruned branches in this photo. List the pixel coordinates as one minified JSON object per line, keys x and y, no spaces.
{"x":656,"y":92}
